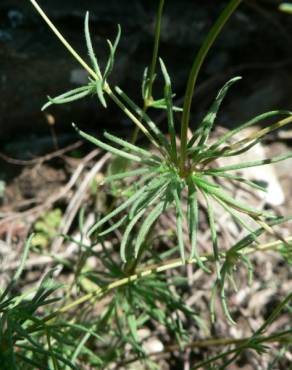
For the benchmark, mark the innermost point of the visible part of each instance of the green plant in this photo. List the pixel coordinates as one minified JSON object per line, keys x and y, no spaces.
{"x":165,"y":176}
{"x":29,"y":340}
{"x":2,"y":188}
{"x":176,"y":169}
{"x":286,"y":7}
{"x":46,"y":228}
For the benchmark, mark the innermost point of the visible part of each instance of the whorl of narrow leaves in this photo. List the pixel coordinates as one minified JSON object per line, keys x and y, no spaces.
{"x":178,"y":171}
{"x":34,"y":334}
{"x":156,"y":196}
{"x":150,"y":201}
{"x":163,"y":185}
{"x":94,"y":86}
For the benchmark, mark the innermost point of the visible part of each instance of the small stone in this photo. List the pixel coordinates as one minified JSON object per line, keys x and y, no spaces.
{"x":151,"y":344}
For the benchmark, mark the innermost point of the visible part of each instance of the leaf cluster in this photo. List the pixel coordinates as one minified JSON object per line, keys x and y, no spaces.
{"x":179,"y":174}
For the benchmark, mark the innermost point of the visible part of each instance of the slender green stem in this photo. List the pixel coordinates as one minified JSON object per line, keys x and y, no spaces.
{"x":149,"y":98}
{"x":133,"y":118}
{"x":155,"y":50}
{"x":92,"y":73}
{"x":211,"y":37}
{"x":63,"y":40}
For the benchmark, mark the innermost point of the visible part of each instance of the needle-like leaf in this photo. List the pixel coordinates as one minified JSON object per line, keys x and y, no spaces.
{"x":252,"y":184}
{"x":90,"y":47}
{"x":214,"y":237}
{"x":160,"y":138}
{"x":127,"y":232}
{"x":68,"y":97}
{"x":253,"y":121}
{"x":169,"y":106}
{"x":112,"y":47}
{"x":260,"y":162}
{"x":179,"y":221}
{"x":107,"y":147}
{"x":206,"y":125}
{"x":132,"y":148}
{"x":145,"y":227}
{"x":193,"y":221}
{"x":116,"y":211}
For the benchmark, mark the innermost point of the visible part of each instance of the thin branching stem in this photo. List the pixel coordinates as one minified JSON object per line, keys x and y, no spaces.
{"x":133,"y":118}
{"x":277,"y":337}
{"x":92,"y":73}
{"x":145,"y":272}
{"x":63,"y":40}
{"x":280,"y":336}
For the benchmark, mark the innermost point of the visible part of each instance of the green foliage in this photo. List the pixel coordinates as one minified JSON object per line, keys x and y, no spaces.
{"x":2,"y":188}
{"x":46,"y":228}
{"x":173,"y":179}
{"x":139,"y":285}
{"x":61,"y":341}
{"x":17,"y":312}
{"x":286,"y":7}
{"x":286,"y":252}
{"x":162,"y":183}
{"x":96,"y":86}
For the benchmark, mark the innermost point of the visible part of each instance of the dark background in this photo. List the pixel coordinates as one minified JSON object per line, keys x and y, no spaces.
{"x":256,"y":44}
